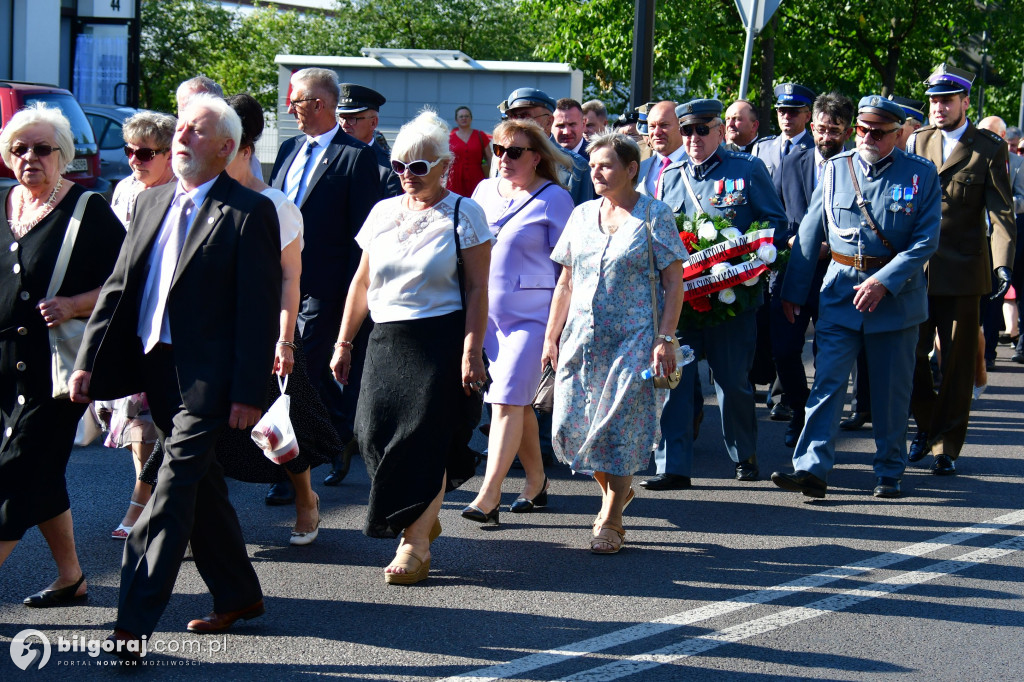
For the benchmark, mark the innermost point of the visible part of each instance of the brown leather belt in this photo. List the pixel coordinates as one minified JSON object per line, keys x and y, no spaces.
{"x":861,"y":263}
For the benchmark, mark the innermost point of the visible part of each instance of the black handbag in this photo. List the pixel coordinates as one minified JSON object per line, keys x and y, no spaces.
{"x":544,"y":400}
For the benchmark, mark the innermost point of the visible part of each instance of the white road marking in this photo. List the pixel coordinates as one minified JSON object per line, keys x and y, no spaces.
{"x":517,"y":667}
{"x":697,"y":645}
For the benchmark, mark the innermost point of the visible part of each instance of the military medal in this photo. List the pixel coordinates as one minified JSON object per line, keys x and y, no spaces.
{"x":909,"y":208}
{"x":908,"y":193}
{"x":897,"y":194}
{"x":730,"y":213}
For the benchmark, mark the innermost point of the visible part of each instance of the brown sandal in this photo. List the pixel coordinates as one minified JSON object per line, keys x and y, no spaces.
{"x":415,"y":568}
{"x":597,"y":519}
{"x":610,"y":535}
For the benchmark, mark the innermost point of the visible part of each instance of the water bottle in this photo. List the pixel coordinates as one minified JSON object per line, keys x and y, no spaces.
{"x":684,"y":356}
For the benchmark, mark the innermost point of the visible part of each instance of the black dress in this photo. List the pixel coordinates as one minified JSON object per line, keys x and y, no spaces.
{"x":36,"y":431}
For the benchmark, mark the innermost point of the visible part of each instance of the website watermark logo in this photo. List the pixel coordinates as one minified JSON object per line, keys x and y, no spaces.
{"x":25,"y":654}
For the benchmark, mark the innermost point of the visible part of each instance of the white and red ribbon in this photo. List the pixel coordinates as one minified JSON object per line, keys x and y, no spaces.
{"x":736,"y":274}
{"x":727,"y":250}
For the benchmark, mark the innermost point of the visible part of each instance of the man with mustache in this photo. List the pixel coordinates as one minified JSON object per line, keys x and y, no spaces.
{"x":972,"y":167}
{"x":878,"y":208}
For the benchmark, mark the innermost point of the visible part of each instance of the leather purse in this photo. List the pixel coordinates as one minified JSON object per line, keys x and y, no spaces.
{"x":672,"y":380}
{"x":544,"y":399}
{"x":65,"y":338}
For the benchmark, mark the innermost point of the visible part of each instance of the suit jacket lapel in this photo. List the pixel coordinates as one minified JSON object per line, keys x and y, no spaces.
{"x":282,"y":172}
{"x":330,"y":154}
{"x":962,"y":149}
{"x":207,"y":216}
{"x":145,"y":227}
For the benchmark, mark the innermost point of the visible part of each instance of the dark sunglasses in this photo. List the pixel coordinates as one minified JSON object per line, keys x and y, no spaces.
{"x":877,"y":134}
{"x":40,"y":150}
{"x":513,"y":152}
{"x":143,"y":153}
{"x":419,"y":167}
{"x":701,"y":129}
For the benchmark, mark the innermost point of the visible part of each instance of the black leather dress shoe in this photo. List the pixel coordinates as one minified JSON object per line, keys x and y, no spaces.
{"x":781,"y":413}
{"x":887,"y":487}
{"x":801,"y":482}
{"x":125,"y":646}
{"x":943,"y":466}
{"x":1017,"y":357}
{"x":918,"y":447}
{"x":747,"y":470}
{"x":666,"y":482}
{"x":280,"y":494}
{"x":855,"y":421}
{"x":793,"y":430}
{"x":340,"y":464}
{"x":59,"y":597}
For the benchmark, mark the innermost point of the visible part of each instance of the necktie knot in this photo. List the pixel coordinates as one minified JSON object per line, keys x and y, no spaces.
{"x":787,"y":147}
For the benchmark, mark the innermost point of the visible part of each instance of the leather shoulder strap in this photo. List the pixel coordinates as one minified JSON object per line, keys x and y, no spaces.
{"x":862,"y":204}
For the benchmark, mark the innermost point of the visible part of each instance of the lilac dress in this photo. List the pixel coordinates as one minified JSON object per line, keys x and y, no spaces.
{"x":522,"y":282}
{"x":605,"y":417}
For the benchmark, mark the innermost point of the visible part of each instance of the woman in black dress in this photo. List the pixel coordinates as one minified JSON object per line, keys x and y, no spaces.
{"x":36,"y":430}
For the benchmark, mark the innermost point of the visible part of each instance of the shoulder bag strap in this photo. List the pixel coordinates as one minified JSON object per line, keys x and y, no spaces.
{"x":652,"y":273}
{"x":70,"y":235}
{"x":862,"y":203}
{"x":501,"y":222}
{"x":458,"y":254}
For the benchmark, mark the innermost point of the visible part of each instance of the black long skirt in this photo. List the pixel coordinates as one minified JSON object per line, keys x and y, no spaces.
{"x":413,"y":420}
{"x":36,"y":438}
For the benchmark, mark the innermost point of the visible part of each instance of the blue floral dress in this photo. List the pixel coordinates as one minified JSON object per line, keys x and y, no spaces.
{"x":605,"y":417}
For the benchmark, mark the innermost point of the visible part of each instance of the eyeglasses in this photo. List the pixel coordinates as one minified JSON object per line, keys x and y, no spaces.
{"x":513,"y":152}
{"x":40,"y":150}
{"x":877,"y":134}
{"x":143,"y":153}
{"x":525,"y":113}
{"x":352,"y":119}
{"x":701,"y":129}
{"x":418,"y":168}
{"x":828,"y":131}
{"x":293,"y":102}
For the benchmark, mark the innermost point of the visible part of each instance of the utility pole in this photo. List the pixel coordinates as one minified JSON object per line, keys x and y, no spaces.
{"x":643,"y":54}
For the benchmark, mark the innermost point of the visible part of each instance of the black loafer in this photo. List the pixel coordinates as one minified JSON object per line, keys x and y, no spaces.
{"x":1017,"y":357}
{"x":340,"y":464}
{"x":781,"y":413}
{"x":943,"y":466}
{"x":918,"y":447}
{"x":747,"y":470}
{"x":793,"y":430}
{"x":855,"y":421}
{"x":280,"y":494}
{"x":59,"y":597}
{"x":125,"y":646}
{"x":801,"y":482}
{"x":524,"y":505}
{"x":666,"y":482}
{"x":887,"y":487}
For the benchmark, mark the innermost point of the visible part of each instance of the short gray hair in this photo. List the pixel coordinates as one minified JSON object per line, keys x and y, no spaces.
{"x":33,"y":114}
{"x":425,"y":135}
{"x":595,"y":106}
{"x":1013,"y":132}
{"x":150,"y":125}
{"x":228,"y":122}
{"x":323,"y":80}
{"x":624,"y":147}
{"x":197,"y":85}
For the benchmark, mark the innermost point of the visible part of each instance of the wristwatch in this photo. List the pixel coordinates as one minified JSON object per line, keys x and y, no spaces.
{"x":665,"y":337}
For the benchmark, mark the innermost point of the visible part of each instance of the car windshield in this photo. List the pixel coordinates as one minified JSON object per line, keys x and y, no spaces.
{"x":80,"y":127}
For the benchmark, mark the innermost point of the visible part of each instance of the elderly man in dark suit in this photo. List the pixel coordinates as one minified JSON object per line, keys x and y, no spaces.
{"x":334,"y":180}
{"x":795,"y":181}
{"x":975,"y":186}
{"x":190,"y":316}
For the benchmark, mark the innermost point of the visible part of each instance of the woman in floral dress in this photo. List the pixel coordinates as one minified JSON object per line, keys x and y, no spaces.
{"x":600,"y":333}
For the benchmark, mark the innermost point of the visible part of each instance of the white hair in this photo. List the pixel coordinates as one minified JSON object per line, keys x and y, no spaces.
{"x":33,"y":114}
{"x":425,"y":135}
{"x":229,"y":125}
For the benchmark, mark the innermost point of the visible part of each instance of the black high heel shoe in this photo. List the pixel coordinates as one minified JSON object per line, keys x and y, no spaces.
{"x":59,"y":597}
{"x":478,"y":515}
{"x":523,"y":505}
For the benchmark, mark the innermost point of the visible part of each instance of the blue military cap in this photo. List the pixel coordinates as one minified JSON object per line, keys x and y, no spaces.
{"x":949,"y":80}
{"x":698,"y":110}
{"x":876,"y":104}
{"x":641,"y":117}
{"x":793,"y":95}
{"x":912,"y":107}
{"x":355,"y":98}
{"x":527,"y":97}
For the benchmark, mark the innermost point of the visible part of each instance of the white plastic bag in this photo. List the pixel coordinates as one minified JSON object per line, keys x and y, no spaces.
{"x":273,"y":433}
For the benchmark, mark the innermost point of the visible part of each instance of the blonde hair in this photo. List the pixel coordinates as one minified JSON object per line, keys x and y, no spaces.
{"x":551,"y":157}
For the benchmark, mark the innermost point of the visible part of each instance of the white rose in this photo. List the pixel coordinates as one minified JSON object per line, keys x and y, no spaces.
{"x":727,"y":296}
{"x":731,"y":233}
{"x":719,"y":268}
{"x":707,"y":231}
{"x":752,"y":281}
{"x":767,"y":253}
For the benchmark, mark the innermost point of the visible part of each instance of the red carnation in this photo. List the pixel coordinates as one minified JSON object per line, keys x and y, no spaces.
{"x":701,"y":304}
{"x":688,"y":239}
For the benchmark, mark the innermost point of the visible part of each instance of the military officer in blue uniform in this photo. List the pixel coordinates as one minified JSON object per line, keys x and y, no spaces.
{"x":873,"y":296}
{"x":793,"y":108}
{"x":696,"y":188}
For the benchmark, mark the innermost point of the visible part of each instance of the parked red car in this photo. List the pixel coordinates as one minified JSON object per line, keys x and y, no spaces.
{"x":85,"y":168}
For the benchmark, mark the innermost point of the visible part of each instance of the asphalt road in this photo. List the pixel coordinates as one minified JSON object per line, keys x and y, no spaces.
{"x":737,"y":580}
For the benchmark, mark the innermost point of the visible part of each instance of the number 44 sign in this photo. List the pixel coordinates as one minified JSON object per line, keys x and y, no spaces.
{"x":106,"y":9}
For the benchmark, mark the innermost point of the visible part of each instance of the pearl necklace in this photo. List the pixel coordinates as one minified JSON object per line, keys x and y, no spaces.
{"x":20,"y":229}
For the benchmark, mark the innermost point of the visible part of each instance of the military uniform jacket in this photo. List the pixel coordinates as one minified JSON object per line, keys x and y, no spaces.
{"x":575,"y":175}
{"x":912,"y":230}
{"x":770,"y":149}
{"x":974,"y":182}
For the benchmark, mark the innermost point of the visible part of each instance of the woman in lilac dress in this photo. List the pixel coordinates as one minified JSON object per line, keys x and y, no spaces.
{"x":526,"y":208}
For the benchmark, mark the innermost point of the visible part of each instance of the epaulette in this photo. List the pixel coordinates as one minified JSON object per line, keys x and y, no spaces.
{"x":921,"y":160}
{"x":766,"y":138}
{"x":992,"y":136}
